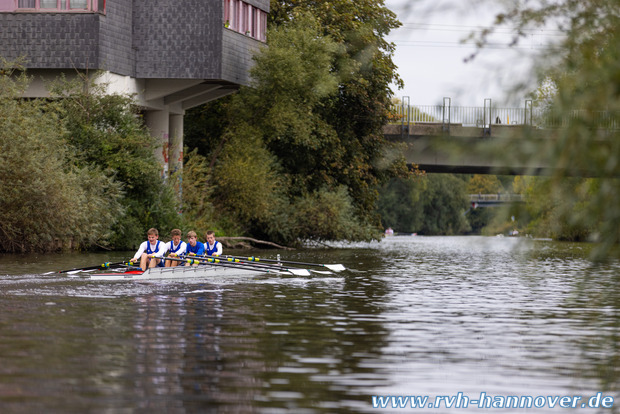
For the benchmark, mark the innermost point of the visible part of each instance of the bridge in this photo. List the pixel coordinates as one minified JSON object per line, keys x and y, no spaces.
{"x":480,"y":140}
{"x":494,"y":200}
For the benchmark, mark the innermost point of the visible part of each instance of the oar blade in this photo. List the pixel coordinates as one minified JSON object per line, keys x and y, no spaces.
{"x":335,"y":267}
{"x":72,"y":272}
{"x":321,"y":272}
{"x":298,"y":272}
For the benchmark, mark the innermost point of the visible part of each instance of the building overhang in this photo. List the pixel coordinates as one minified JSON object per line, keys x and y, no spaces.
{"x":175,"y":95}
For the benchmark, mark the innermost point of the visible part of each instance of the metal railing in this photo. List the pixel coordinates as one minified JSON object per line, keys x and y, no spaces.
{"x":498,"y":197}
{"x":483,"y":117}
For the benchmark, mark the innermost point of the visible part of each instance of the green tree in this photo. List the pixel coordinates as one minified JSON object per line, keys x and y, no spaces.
{"x":360,"y":108}
{"x":47,"y":201}
{"x":284,"y":150}
{"x":106,"y":133}
{"x":442,"y":205}
{"x":397,"y":205}
{"x":587,"y":79}
{"x":309,"y":129}
{"x":484,"y":184}
{"x":434,"y":204}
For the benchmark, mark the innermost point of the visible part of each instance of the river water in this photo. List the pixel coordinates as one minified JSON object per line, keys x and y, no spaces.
{"x":411,"y":316}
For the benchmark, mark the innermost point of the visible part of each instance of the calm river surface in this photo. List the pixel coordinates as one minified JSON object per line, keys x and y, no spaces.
{"x":413,"y":316}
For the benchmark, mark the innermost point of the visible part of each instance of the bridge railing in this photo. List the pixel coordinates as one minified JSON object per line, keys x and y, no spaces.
{"x":499,"y":197}
{"x":466,"y":115}
{"x":483,"y":116}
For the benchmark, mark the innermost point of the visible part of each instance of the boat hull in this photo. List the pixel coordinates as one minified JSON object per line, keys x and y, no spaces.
{"x":181,"y":272}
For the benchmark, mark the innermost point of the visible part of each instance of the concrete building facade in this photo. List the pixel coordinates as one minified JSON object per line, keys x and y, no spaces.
{"x":173,"y":55}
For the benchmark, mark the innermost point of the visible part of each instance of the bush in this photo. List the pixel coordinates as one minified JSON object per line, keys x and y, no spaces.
{"x":47,"y":203}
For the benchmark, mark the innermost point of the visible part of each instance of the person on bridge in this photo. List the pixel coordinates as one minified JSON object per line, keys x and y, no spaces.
{"x":213,"y":247}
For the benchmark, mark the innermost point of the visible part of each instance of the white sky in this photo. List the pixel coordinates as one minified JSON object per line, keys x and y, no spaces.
{"x":430,"y":56}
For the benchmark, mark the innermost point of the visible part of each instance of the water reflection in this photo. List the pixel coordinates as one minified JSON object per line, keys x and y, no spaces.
{"x":415,"y":315}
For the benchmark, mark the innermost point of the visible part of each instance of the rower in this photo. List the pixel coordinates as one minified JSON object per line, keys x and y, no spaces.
{"x":213,"y":247}
{"x":175,"y":247}
{"x":194,"y":247}
{"x":151,"y":251}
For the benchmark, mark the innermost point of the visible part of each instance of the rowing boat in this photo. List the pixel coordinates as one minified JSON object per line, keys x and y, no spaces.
{"x":206,"y":267}
{"x":182,"y":272}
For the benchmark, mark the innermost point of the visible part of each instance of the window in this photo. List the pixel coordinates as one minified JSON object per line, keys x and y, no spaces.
{"x":245,"y":18}
{"x":50,"y":4}
{"x":78,"y":4}
{"x":65,"y":5}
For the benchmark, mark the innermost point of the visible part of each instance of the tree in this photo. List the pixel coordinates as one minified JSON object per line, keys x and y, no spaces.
{"x":586,"y":78}
{"x":105,"y":133}
{"x":442,"y":206}
{"x":48,"y":202}
{"x":288,"y":146}
{"x":357,"y":112}
{"x":309,"y":129}
{"x":433,"y":205}
{"x":397,"y":205}
{"x":484,"y":184}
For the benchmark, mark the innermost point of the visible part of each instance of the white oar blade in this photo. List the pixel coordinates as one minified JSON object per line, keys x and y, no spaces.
{"x":80,"y":271}
{"x":335,"y":267}
{"x":321,"y":272}
{"x":298,"y":272}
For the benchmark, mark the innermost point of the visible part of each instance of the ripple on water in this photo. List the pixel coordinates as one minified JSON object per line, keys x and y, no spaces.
{"x":418,"y":315}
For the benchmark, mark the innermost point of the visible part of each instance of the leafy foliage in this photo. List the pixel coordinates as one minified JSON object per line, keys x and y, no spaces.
{"x":78,"y":171}
{"x":484,"y":184}
{"x":329,"y":215}
{"x":432,"y":205}
{"x":104,"y":131}
{"x":300,"y":137}
{"x":398,"y":204}
{"x":586,"y":77}
{"x":47,"y":201}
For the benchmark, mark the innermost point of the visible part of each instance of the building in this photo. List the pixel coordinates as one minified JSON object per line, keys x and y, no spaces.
{"x":173,"y":55}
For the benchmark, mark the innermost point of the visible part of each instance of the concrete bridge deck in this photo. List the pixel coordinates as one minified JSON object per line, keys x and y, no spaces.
{"x":438,"y":148}
{"x":489,"y":140}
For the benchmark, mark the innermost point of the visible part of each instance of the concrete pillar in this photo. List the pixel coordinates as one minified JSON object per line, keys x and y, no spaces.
{"x":158,"y":123}
{"x":176,"y":143}
{"x":176,"y":151}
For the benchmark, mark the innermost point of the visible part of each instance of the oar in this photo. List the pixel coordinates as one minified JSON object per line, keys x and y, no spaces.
{"x":294,"y":270}
{"x":272,"y":266}
{"x":200,"y":260}
{"x":105,"y":265}
{"x":279,"y":268}
{"x":333,"y":267}
{"x":217,"y":262}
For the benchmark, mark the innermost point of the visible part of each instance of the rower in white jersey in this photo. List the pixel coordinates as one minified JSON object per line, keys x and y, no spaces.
{"x":175,"y":247}
{"x":151,"y":251}
{"x":212,"y":247}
